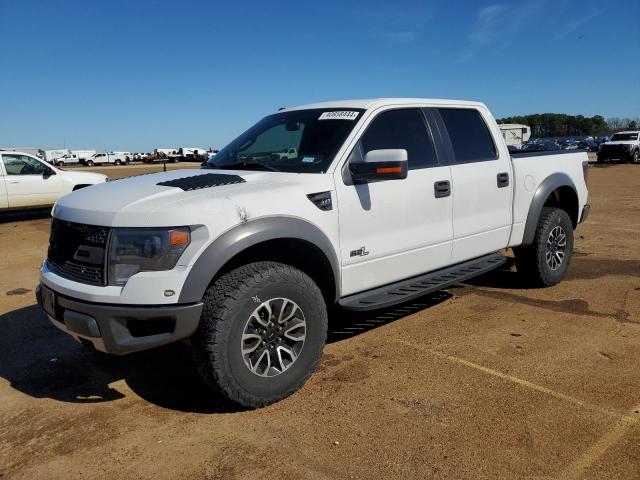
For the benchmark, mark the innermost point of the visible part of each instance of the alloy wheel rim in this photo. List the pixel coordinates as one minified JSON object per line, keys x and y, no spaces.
{"x":273,"y":337}
{"x":556,"y":247}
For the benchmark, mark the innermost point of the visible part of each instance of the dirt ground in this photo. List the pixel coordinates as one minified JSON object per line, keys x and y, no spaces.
{"x":483,"y":380}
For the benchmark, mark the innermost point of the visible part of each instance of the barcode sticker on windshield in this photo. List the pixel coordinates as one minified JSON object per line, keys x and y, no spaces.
{"x":339,"y":115}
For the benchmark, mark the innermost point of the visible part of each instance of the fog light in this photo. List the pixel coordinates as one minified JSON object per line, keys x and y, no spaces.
{"x":169,"y":293}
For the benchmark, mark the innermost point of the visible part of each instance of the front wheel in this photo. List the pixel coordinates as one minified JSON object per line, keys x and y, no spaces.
{"x":261,"y":334}
{"x":636,"y":157}
{"x":545,"y":262}
{"x":90,"y":163}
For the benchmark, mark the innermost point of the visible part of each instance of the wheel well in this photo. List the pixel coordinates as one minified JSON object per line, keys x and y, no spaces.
{"x":297,"y":253}
{"x":78,"y":187}
{"x":566,"y":199}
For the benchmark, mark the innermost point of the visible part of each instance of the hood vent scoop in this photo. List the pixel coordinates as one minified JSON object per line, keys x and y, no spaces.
{"x":206,"y":180}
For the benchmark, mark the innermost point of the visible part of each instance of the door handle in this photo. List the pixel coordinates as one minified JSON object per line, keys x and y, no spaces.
{"x":14,"y":181}
{"x":442,"y":188}
{"x":503,"y":180}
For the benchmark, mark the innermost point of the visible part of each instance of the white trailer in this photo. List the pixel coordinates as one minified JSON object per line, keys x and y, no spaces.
{"x":52,"y":155}
{"x":191,"y":153}
{"x":515,"y":134}
{"x":83,"y":154}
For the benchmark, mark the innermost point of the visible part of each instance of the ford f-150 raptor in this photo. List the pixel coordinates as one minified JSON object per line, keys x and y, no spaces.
{"x":385,"y":200}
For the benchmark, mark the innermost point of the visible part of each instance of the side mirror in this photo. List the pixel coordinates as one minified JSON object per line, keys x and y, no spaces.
{"x":49,"y":171}
{"x":390,"y":164}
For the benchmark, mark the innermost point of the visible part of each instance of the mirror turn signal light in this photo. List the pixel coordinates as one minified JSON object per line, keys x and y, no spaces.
{"x":383,"y":170}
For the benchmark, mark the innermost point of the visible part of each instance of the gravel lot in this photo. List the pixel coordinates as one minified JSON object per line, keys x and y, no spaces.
{"x":483,"y":380}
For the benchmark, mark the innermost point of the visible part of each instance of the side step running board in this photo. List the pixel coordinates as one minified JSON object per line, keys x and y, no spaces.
{"x":404,"y":290}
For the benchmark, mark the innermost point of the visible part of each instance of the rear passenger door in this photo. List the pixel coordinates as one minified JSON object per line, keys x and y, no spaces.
{"x":394,"y":229}
{"x":482,"y":183}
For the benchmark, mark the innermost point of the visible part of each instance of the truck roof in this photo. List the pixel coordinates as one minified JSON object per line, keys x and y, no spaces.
{"x":370,"y":103}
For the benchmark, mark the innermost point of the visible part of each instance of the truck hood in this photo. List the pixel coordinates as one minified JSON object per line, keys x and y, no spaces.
{"x":76,"y":177}
{"x":140,"y":201}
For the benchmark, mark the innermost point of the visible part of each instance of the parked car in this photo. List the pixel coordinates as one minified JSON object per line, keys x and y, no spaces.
{"x":83,"y":154}
{"x":541,"y":146}
{"x":247,"y":256}
{"x":27,"y":181}
{"x":106,"y":157}
{"x":623,"y":146}
{"x":127,"y":155}
{"x":589,"y":145}
{"x":66,"y":160}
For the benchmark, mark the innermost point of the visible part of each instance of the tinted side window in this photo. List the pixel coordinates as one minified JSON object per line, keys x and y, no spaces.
{"x":470,"y":137}
{"x":22,"y":165}
{"x":404,"y":129}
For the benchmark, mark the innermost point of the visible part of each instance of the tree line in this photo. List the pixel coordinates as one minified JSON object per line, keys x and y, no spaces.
{"x":562,"y":125}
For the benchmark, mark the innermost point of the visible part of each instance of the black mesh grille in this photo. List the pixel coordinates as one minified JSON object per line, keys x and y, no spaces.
{"x":78,"y":251}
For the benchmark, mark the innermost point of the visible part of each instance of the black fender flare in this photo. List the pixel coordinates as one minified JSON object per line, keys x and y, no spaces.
{"x":246,"y":235}
{"x":545,"y":189}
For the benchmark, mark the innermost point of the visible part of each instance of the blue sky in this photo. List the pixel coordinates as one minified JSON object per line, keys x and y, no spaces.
{"x":134,"y":75}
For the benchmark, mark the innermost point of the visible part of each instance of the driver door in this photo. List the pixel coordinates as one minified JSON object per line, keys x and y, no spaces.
{"x":395,"y":229}
{"x":27,"y":182}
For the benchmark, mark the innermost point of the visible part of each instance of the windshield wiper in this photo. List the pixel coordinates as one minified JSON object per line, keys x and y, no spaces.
{"x":245,"y":165}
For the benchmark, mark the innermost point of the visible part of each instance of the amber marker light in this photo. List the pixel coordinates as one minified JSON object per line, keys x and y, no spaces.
{"x":389,"y":170}
{"x":178,"y":237}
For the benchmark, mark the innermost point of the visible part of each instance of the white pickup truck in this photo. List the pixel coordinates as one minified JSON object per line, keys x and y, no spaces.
{"x":623,"y":146}
{"x":386,"y":200}
{"x":116,"y":158}
{"x":29,"y":182}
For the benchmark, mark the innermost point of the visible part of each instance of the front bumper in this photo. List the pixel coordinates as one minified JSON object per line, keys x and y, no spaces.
{"x":615,"y":154}
{"x":119,"y":329}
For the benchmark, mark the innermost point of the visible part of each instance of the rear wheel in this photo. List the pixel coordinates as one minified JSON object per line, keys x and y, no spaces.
{"x":545,"y":262}
{"x":261,"y":334}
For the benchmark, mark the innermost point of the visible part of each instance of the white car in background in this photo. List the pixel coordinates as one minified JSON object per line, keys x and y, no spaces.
{"x":28,"y":182}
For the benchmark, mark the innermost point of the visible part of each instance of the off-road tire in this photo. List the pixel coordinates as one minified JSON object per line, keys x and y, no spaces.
{"x":228,"y":304}
{"x":531,"y":260}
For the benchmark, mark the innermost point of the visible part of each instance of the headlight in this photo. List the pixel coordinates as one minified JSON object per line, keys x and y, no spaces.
{"x":134,"y":250}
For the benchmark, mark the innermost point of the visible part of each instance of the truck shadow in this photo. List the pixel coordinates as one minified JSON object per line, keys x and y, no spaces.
{"x":42,"y":362}
{"x":19,"y":215}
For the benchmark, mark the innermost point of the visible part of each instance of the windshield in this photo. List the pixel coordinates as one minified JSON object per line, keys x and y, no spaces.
{"x":617,"y":137}
{"x":301,"y":141}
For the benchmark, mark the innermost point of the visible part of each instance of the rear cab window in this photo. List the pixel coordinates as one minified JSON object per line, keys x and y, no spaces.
{"x":470,"y":137}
